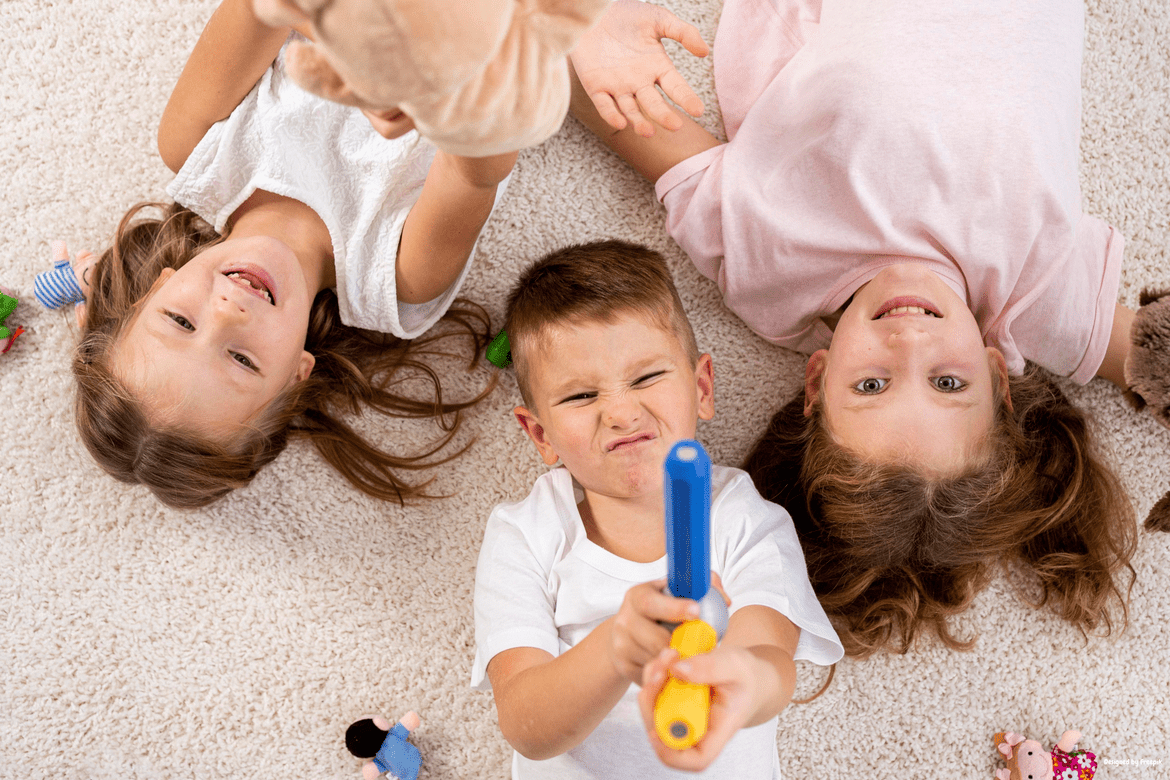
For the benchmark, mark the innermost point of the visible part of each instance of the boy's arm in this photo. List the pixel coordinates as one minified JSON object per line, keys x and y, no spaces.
{"x":549,"y":705}
{"x":651,"y":156}
{"x":1113,"y":366}
{"x":444,"y":223}
{"x":751,"y":673}
{"x":231,"y":55}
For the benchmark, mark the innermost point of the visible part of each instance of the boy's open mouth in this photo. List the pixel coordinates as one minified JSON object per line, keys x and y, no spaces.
{"x":256,"y":282}
{"x":906,"y":305}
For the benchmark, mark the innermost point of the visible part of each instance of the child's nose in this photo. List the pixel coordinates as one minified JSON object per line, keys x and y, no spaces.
{"x":229,"y":310}
{"x":908,"y":335}
{"x":621,"y":411}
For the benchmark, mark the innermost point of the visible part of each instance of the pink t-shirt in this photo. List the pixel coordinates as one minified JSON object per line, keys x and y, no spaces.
{"x":864,"y":133}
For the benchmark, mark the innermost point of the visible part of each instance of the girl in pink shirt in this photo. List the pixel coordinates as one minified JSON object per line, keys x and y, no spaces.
{"x":898,"y":198}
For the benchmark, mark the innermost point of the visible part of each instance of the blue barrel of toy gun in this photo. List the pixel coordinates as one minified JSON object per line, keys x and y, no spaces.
{"x":688,"y":520}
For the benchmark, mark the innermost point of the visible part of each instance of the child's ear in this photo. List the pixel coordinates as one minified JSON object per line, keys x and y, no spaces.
{"x":999,"y":373}
{"x":705,"y":384}
{"x":813,"y":371}
{"x":531,"y":425}
{"x":305,"y":366}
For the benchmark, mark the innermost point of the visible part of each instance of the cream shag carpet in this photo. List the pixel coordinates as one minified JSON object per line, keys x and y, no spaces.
{"x":140,"y":642}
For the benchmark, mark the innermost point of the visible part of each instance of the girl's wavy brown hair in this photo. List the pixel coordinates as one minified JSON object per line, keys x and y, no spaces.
{"x":892,"y":553}
{"x":355,"y":370}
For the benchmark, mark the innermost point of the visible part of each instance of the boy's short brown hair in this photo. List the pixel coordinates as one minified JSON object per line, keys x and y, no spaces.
{"x":593,"y":282}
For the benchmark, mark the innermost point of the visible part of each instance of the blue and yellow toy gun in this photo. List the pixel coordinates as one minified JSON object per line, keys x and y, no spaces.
{"x":681,"y":710}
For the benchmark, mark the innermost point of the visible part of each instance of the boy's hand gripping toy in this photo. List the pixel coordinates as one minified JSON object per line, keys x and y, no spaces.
{"x":373,"y":738}
{"x":681,"y":710}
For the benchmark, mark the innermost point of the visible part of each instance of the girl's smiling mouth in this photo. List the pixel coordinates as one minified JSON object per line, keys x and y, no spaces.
{"x":905,"y":305}
{"x":255,"y":281}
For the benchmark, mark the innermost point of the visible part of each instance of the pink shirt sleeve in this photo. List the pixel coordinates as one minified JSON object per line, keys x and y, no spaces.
{"x":692,"y":192}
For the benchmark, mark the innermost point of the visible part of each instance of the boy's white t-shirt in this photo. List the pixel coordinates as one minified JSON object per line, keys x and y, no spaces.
{"x":941,"y":132}
{"x":541,"y":583}
{"x":285,"y":140}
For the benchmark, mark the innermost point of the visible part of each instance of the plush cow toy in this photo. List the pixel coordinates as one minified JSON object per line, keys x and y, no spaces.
{"x":1027,"y":760}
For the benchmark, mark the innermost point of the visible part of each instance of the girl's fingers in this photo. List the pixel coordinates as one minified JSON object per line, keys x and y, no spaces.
{"x":655,"y":107}
{"x":608,"y":110}
{"x":628,"y":105}
{"x":678,"y":90}
{"x":687,"y":34}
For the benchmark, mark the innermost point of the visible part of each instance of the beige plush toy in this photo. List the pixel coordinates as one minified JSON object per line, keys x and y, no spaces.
{"x":1147,"y":372}
{"x":478,"y":77}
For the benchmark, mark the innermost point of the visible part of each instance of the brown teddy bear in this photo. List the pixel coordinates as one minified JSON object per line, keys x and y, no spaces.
{"x":1147,"y":372}
{"x":478,"y":77}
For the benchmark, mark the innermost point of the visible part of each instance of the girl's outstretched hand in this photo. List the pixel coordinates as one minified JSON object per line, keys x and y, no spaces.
{"x":732,"y":672}
{"x":621,"y":58}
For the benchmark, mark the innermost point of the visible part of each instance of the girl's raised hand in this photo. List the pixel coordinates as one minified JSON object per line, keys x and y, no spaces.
{"x":621,"y":59}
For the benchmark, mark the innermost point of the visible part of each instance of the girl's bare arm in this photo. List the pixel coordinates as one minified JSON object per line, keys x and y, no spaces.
{"x":1113,"y":366}
{"x":443,"y":224}
{"x":231,"y":55}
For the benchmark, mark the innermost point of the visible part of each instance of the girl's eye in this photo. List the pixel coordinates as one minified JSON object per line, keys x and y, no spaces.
{"x":949,"y":384}
{"x":243,"y":360}
{"x":180,"y":320}
{"x":870,"y":385}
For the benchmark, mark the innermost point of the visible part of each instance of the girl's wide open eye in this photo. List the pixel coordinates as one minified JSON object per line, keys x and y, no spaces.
{"x":948,"y":384}
{"x":870,"y":385}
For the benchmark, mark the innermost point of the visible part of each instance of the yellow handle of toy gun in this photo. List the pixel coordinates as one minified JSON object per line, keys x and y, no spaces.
{"x":680,"y":712}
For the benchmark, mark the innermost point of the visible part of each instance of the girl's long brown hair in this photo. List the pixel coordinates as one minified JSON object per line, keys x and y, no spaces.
{"x":892,"y":553}
{"x":355,"y":369}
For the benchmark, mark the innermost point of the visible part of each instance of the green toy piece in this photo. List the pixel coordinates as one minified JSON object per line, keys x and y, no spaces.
{"x":8,"y":304}
{"x":499,"y":352}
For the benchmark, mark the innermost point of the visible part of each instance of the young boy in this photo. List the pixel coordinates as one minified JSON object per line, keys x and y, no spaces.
{"x":569,"y":583}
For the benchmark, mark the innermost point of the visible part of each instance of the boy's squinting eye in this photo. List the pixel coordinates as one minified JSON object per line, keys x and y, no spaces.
{"x":578,"y":397}
{"x":948,"y":384}
{"x":870,"y":385}
{"x":180,"y":320}
{"x":643,"y":379}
